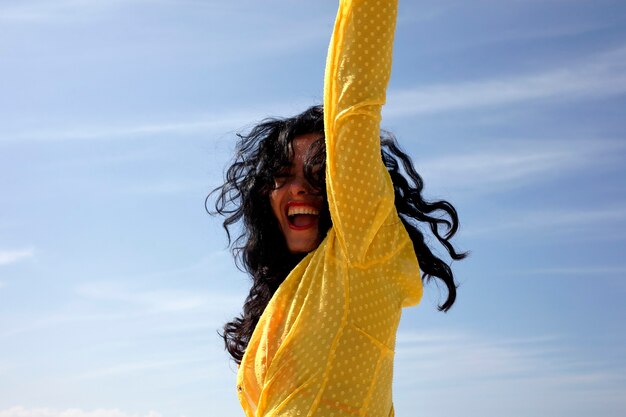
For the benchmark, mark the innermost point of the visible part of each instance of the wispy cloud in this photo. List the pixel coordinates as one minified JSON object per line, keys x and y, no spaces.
{"x":143,"y":366}
{"x":412,"y":13}
{"x":509,"y":164}
{"x":575,"y":270}
{"x":533,"y":368}
{"x":152,"y":300}
{"x":598,"y":75}
{"x":583,"y":222}
{"x":70,"y":412}
{"x":134,"y":299}
{"x":164,"y":187}
{"x":593,"y":76}
{"x":216,"y":123}
{"x":474,"y":357}
{"x":169,"y":300}
{"x":30,"y":11}
{"x":545,"y":32}
{"x":13,"y":256}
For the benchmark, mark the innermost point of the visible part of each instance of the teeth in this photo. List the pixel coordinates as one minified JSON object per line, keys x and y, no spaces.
{"x":293,"y":210}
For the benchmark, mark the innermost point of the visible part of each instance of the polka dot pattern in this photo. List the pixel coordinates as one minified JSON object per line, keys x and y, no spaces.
{"x":324,"y":346}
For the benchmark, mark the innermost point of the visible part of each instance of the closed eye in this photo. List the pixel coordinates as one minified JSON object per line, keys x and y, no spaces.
{"x":281,"y":178}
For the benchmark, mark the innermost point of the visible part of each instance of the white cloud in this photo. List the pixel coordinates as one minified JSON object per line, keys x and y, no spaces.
{"x":416,"y":13}
{"x":469,"y":355}
{"x":510,"y":164}
{"x":557,"y":30}
{"x":204,"y":124}
{"x":164,"y":187}
{"x":155,"y":300}
{"x":594,"y":76}
{"x":145,"y":366}
{"x":138,"y":301}
{"x":71,"y":412}
{"x":59,"y":9}
{"x":576,"y":270}
{"x":487,"y":375}
{"x":598,"y":75}
{"x":465,"y":357}
{"x":13,"y":256}
{"x":152,"y":300}
{"x":217,"y":123}
{"x":550,"y":221}
{"x":62,"y":10}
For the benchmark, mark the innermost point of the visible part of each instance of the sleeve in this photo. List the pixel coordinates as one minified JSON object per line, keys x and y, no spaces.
{"x":358,"y":66}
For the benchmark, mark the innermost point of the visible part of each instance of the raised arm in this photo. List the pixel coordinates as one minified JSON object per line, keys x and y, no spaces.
{"x":360,"y":192}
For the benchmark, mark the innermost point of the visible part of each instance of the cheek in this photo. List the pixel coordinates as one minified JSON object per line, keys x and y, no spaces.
{"x":275,"y":198}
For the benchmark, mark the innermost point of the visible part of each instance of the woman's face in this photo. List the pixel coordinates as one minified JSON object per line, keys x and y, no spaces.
{"x":295,"y":203}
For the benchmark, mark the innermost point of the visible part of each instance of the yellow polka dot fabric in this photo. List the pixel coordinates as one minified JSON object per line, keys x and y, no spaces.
{"x":324,"y":346}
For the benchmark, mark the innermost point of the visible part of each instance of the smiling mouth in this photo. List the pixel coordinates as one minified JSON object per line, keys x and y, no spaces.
{"x":301,"y":217}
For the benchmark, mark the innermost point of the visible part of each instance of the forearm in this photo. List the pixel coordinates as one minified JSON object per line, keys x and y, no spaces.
{"x":358,"y":68}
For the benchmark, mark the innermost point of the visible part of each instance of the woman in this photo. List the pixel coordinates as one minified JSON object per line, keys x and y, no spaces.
{"x":330,"y":238}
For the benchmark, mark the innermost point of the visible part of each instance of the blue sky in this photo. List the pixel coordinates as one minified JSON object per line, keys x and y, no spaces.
{"x":117,"y":117}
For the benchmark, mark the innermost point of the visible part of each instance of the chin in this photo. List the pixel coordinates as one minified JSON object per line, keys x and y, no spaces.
{"x":303,"y":247}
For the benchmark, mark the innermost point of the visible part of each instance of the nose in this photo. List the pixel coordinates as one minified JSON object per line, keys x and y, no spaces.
{"x":299,"y":185}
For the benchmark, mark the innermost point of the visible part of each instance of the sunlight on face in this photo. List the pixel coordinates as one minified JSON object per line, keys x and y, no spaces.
{"x":295,"y":202}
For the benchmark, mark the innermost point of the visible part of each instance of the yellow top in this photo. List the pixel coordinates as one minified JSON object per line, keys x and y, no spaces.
{"x":324,"y":345}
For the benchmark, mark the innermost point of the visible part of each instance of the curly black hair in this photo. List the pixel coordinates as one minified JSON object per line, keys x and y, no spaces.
{"x":260,"y":248}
